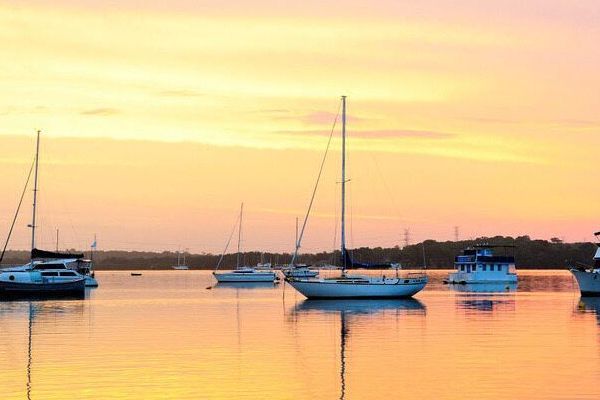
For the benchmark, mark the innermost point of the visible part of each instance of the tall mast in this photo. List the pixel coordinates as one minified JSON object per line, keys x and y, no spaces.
{"x":35,"y":189}
{"x":343,"y":235}
{"x":240,"y":236}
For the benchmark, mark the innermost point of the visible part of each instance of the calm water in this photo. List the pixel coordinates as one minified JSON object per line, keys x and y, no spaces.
{"x":164,"y":335}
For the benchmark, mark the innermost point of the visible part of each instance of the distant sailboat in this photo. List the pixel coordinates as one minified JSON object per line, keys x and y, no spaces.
{"x":355,"y":286}
{"x":242,"y":273}
{"x":180,"y":265}
{"x":299,"y":270}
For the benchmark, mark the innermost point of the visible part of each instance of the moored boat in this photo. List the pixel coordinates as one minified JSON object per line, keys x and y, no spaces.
{"x":588,"y":276}
{"x":40,"y":277}
{"x":480,"y":264}
{"x":353,"y":286}
{"x":242,"y":273}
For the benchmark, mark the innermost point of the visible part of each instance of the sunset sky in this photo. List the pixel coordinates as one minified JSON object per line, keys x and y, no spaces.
{"x":159,"y":118}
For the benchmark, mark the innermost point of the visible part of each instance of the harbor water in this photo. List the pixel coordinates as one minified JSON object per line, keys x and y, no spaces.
{"x":179,"y":335}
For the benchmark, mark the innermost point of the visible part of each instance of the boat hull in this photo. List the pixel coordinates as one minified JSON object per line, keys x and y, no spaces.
{"x":246,"y":277}
{"x":75,"y":288}
{"x":90,"y":281}
{"x":480,"y":278}
{"x":332,"y":289}
{"x":589,"y":282}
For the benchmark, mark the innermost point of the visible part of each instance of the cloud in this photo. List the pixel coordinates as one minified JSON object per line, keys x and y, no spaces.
{"x":380,"y":134}
{"x":100,"y":111}
{"x":181,"y":93}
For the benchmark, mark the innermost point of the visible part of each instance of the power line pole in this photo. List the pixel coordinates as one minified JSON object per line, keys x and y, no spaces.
{"x":406,"y":237}
{"x":456,"y":235}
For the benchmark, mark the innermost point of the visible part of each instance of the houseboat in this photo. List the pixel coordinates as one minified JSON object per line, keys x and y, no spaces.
{"x":480,"y":264}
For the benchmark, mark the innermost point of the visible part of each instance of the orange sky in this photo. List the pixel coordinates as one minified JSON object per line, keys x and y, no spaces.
{"x":159,"y":120}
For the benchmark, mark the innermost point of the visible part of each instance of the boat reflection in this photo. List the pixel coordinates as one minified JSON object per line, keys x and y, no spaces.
{"x":590,"y":305}
{"x":245,"y":285}
{"x":361,"y":306}
{"x":352,"y":311}
{"x":36,"y":312}
{"x":484,"y":287}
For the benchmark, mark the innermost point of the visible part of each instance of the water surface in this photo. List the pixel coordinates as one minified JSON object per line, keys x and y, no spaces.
{"x":165,"y":335}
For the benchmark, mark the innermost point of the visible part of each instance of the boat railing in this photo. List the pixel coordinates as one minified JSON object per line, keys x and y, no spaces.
{"x":417,"y":274}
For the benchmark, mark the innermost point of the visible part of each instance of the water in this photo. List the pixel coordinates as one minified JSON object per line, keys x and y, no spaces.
{"x":164,"y":335}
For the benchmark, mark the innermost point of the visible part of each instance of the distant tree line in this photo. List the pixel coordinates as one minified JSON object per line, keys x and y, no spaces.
{"x":531,"y":254}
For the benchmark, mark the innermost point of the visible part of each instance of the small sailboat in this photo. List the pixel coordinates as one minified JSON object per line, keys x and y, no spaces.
{"x":180,"y":266}
{"x":40,"y":278}
{"x":588,"y":276}
{"x":242,"y":273}
{"x":479,"y":264}
{"x":299,"y":270}
{"x":354,"y":286}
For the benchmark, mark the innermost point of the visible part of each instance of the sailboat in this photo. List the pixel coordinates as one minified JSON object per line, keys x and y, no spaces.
{"x":180,"y":266}
{"x":42,"y":276}
{"x":242,"y":273}
{"x":299,"y":270}
{"x":354,"y":286}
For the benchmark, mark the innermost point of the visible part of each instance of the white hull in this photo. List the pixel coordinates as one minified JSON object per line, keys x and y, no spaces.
{"x":181,"y":267}
{"x":589,"y":282}
{"x":369,"y":288}
{"x":481,"y":277}
{"x":245,"y":277}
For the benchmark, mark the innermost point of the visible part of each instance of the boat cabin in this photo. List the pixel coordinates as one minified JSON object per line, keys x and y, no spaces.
{"x":481,"y":264}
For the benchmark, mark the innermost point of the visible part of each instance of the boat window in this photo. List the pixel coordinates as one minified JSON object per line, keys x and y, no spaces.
{"x":54,"y":273}
{"x":50,"y":266}
{"x":70,"y":273}
{"x":484,"y":268}
{"x":499,"y":267}
{"x":462,"y":267}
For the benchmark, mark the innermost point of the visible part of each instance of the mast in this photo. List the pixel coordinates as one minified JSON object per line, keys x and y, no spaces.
{"x":240,"y":236}
{"x":343,"y":233}
{"x":35,"y":190}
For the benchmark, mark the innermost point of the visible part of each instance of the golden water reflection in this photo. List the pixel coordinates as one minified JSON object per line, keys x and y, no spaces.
{"x":164,"y":335}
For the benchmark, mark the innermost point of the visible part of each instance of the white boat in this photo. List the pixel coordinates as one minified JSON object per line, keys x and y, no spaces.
{"x":242,"y":273}
{"x":353,"y":286}
{"x":245,"y":274}
{"x":180,"y":266}
{"x":588,"y":277}
{"x":479,"y":265}
{"x":300,"y":271}
{"x":39,"y":277}
{"x":73,"y":261}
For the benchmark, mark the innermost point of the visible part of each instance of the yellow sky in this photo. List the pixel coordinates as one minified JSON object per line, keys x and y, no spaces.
{"x":159,"y":120}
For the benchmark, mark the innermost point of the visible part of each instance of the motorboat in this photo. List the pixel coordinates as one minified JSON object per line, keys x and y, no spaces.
{"x":480,"y":264}
{"x":588,"y":276}
{"x":300,"y":271}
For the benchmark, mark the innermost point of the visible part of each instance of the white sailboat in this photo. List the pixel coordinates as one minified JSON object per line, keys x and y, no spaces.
{"x":40,"y":278}
{"x":242,"y":273}
{"x":354,"y":286}
{"x":180,"y":266}
{"x":299,"y":270}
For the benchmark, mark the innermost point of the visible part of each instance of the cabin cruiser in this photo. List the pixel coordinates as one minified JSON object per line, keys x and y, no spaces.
{"x":245,"y":274}
{"x":588,"y":276}
{"x":73,"y":261}
{"x":300,"y":271}
{"x":40,"y":278}
{"x":480,"y":265}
